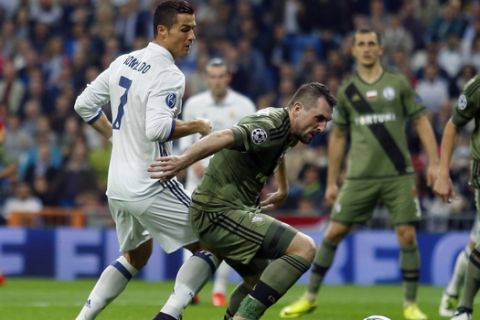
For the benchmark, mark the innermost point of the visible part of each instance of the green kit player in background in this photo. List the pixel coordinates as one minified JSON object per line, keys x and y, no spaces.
{"x":373,"y":107}
{"x":225,"y":211}
{"x":468,"y":108}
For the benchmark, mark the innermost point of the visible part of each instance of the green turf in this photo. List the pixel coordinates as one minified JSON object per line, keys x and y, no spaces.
{"x":38,"y":299}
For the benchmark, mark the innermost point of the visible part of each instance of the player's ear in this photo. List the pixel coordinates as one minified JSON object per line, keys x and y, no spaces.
{"x":162,"y":31}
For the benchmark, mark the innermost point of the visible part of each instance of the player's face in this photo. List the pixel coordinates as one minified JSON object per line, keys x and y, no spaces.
{"x":366,"y":50}
{"x":218,"y":80}
{"x":179,"y":38}
{"x":307,"y":123}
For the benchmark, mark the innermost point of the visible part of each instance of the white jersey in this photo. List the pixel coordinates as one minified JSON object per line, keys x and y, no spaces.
{"x":145,"y":89}
{"x":222,"y":115}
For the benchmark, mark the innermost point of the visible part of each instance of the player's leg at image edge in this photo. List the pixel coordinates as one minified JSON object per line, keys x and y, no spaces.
{"x":449,"y":299}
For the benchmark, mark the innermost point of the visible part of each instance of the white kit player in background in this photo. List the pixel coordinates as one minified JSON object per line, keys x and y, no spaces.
{"x":145,"y":90}
{"x":224,"y":107}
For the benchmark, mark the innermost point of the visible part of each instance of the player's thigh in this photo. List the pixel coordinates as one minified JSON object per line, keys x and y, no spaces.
{"x":130,"y":231}
{"x":399,"y":195}
{"x":168,"y":220}
{"x":239,"y":235}
{"x":355,"y":202}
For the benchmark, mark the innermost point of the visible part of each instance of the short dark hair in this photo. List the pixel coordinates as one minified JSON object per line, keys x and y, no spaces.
{"x":365,"y":30}
{"x":166,"y":13}
{"x":308,"y":93}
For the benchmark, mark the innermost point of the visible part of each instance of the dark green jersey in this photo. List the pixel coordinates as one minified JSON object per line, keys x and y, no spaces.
{"x":235,"y":176}
{"x":375,"y":114}
{"x":468,"y":108}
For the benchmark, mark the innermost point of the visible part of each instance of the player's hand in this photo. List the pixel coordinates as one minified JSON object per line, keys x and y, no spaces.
{"x":205,"y":127}
{"x":273,"y":200}
{"x":443,"y":187}
{"x":165,"y":168}
{"x":331,"y":194}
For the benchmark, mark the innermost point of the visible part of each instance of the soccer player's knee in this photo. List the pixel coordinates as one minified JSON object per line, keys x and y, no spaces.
{"x":211,"y":259}
{"x":304,"y":246}
{"x":406,"y":235}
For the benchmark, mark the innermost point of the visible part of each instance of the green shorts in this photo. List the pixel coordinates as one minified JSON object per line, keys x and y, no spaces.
{"x":358,"y":198}
{"x":241,"y":236}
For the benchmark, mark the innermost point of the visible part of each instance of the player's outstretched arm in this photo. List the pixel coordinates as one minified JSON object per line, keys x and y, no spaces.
{"x":443,"y":185}
{"x":185,"y":128}
{"x":426,"y":135}
{"x":336,"y":151}
{"x":165,"y":168}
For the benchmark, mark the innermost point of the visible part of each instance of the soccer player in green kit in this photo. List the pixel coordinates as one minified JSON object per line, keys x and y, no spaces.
{"x":373,"y":107}
{"x":468,"y":108}
{"x":225,"y":210}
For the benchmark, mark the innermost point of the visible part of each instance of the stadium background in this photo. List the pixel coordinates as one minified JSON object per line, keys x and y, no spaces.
{"x":50,"y":50}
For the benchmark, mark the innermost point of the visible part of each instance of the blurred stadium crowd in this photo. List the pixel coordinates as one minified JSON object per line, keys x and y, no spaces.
{"x":50,"y":50}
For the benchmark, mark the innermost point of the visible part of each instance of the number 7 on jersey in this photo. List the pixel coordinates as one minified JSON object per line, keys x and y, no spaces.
{"x":124,"y":83}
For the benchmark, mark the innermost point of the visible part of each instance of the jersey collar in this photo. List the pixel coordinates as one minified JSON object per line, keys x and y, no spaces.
{"x":155,"y":47}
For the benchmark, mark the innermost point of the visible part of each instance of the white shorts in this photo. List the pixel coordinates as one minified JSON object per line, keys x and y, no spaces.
{"x":163,"y":217}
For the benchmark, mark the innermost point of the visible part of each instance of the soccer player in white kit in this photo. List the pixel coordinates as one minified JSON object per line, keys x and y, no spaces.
{"x":224,"y":107}
{"x":145,"y":90}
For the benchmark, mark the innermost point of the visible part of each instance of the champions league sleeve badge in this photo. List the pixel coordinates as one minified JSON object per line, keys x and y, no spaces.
{"x":171,"y":100}
{"x":462,"y":102}
{"x":259,"y":135}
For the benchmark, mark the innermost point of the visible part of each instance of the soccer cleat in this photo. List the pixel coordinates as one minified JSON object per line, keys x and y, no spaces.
{"x":298,"y":308}
{"x":462,"y":314}
{"x":448,"y":305}
{"x":219,"y":300}
{"x":413,"y":312}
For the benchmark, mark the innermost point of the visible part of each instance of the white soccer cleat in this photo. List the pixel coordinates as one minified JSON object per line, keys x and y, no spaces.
{"x":462,"y":314}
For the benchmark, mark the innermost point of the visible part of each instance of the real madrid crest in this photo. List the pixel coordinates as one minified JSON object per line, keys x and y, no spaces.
{"x":389,"y":93}
{"x":462,"y":102}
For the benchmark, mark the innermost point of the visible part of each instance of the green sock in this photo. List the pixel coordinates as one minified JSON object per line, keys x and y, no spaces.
{"x":237,"y":296}
{"x":251,"y":308}
{"x":281,"y":274}
{"x":472,"y":279}
{"x":275,"y":280}
{"x":410,"y":266}
{"x":323,"y":260}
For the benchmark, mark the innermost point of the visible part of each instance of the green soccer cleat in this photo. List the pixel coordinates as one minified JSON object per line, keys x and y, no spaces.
{"x":413,"y":312}
{"x":298,"y":308}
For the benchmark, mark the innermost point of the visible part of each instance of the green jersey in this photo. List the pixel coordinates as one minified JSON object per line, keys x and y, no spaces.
{"x":235,"y":176}
{"x":468,"y":108}
{"x":376,"y":114}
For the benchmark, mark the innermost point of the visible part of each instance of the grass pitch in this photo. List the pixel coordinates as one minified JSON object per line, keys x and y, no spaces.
{"x":39,"y":299}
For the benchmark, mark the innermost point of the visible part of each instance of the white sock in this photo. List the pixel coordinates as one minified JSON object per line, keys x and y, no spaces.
{"x":191,"y":277}
{"x":458,"y":276}
{"x":111,"y":283}
{"x":221,"y":278}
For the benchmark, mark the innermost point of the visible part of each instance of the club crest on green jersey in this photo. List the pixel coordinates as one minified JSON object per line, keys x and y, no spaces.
{"x":389,"y":93}
{"x":259,"y":135}
{"x":462,"y":102}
